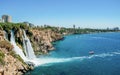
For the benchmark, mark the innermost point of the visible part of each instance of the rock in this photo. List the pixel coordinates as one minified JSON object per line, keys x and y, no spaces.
{"x":43,"y":38}
{"x":41,"y":42}
{"x":1,"y":70}
{"x":1,"y":35}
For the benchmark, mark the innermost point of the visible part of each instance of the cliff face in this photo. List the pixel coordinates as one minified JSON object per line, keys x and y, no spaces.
{"x":10,"y":63}
{"x":42,"y":39}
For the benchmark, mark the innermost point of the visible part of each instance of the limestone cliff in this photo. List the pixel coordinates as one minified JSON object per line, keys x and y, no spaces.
{"x":42,"y":40}
{"x":10,"y":63}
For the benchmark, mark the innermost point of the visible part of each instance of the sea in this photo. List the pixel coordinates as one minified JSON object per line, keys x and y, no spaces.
{"x":72,"y":56}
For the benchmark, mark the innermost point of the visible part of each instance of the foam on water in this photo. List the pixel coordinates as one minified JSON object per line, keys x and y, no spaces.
{"x":104,"y":38}
{"x":46,"y":61}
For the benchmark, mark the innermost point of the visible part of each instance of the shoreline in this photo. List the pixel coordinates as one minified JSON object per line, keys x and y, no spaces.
{"x":73,"y":34}
{"x":95,"y":54}
{"x":40,"y":38}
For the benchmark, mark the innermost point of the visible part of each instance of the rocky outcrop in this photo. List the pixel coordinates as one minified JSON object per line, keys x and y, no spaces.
{"x":42,"y":40}
{"x":1,"y":35}
{"x":13,"y":66}
{"x":10,"y":63}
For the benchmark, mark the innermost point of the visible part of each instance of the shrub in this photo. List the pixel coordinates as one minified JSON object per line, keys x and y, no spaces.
{"x":2,"y":57}
{"x":29,"y":33}
{"x":5,"y":44}
{"x":16,"y":56}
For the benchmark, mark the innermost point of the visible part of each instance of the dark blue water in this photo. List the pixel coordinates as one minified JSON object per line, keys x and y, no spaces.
{"x":74,"y":51}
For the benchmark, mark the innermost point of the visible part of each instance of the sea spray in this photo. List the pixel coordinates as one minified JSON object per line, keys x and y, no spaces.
{"x":44,"y":61}
{"x":20,"y":52}
{"x":47,"y":60}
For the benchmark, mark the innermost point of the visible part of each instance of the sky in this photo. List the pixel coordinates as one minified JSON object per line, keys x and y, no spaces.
{"x":64,"y":13}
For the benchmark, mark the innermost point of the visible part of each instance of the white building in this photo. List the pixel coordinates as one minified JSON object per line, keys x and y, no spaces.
{"x":6,"y":18}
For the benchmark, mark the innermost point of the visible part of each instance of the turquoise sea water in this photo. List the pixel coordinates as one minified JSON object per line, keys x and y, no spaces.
{"x":71,"y":56}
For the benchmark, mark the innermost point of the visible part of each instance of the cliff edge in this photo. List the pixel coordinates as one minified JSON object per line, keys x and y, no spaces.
{"x":10,"y":63}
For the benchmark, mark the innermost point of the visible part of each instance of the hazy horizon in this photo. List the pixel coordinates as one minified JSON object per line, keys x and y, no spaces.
{"x":64,"y":13}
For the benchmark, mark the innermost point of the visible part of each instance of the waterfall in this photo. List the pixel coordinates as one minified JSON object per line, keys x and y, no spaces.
{"x":16,"y":48}
{"x":30,"y":57}
{"x":28,"y":47}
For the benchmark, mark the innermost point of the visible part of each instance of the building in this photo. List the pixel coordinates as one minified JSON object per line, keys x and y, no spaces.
{"x":29,"y":24}
{"x":6,"y":18}
{"x":116,"y":28}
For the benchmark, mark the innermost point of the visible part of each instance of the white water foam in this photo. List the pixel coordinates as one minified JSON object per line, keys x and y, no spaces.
{"x":46,"y":61}
{"x":19,"y":51}
{"x":28,"y":47}
{"x":104,"y":38}
{"x":101,"y":38}
{"x":16,"y":48}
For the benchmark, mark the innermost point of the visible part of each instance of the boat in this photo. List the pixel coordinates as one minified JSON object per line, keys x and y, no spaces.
{"x":91,"y":52}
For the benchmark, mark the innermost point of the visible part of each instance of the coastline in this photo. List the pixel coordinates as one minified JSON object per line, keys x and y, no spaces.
{"x":40,"y":38}
{"x":95,"y":54}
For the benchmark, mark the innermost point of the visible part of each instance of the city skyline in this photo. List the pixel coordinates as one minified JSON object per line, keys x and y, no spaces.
{"x":64,"y":13}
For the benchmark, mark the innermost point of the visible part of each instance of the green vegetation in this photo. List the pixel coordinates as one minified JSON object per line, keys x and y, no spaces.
{"x":5,"y":44}
{"x":29,"y":33}
{"x":74,"y":30}
{"x":16,"y":56}
{"x":16,"y":28}
{"x":2,"y":57}
{"x":8,"y":47}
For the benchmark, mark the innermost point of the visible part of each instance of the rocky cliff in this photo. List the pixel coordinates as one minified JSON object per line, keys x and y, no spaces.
{"x":42,"y":40}
{"x":10,"y":63}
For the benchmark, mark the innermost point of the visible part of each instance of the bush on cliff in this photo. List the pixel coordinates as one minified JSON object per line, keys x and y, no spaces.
{"x":15,"y":26}
{"x":16,"y":56}
{"x":2,"y":57}
{"x":5,"y":44}
{"x":29,"y":33}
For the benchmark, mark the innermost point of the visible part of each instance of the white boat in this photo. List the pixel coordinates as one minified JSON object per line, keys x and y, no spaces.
{"x":91,"y":52}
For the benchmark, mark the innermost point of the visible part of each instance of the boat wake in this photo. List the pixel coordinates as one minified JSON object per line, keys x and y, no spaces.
{"x":103,"y":38}
{"x":30,"y":56}
{"x":47,"y":61}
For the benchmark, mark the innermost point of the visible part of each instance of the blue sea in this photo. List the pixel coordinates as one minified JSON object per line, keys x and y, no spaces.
{"x":71,"y":56}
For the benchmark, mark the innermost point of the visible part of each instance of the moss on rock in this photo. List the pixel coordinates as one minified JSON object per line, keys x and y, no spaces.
{"x":2,"y":57}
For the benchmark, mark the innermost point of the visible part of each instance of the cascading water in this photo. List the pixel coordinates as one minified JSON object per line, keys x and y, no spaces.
{"x":30,"y":56}
{"x":28,"y":47}
{"x":24,"y":46}
{"x":29,"y":59}
{"x":16,"y":48}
